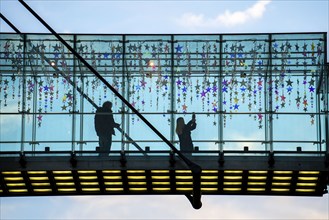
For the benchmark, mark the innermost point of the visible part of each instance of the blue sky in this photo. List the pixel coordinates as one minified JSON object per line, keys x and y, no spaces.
{"x":161,"y":17}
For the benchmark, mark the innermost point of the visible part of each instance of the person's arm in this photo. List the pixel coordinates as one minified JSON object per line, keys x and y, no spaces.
{"x":113,"y":123}
{"x":191,"y":125}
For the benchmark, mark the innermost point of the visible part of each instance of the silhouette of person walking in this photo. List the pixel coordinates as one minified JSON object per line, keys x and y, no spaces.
{"x":184,"y":134}
{"x":104,"y":126}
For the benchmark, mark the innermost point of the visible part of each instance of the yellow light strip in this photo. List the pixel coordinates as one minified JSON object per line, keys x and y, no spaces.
{"x":15,"y":184}
{"x":11,"y":172}
{"x":65,"y":184}
{"x":40,"y":184}
{"x":113,"y":183}
{"x":111,"y":171}
{"x":90,"y":189}
{"x":38,"y":178}
{"x":135,"y":171}
{"x":257,"y":177}
{"x":232,"y":189}
{"x":137,"y":189}
{"x":209,"y":177}
{"x":62,"y":172}
{"x":280,"y":190}
{"x":89,"y":183}
{"x":232,"y":183}
{"x":136,"y":177}
{"x":305,"y":190}
{"x":112,"y":177}
{"x":159,"y":171}
{"x":160,"y":189}
{"x":233,"y":171}
{"x":282,"y":172}
{"x":37,"y":172}
{"x":281,"y":177}
{"x":161,"y":183}
{"x":13,"y":178}
{"x":63,"y":177}
{"x":280,"y":184}
{"x":209,"y":183}
{"x":309,"y":172}
{"x":233,"y":177}
{"x":66,"y":189}
{"x":42,"y":190}
{"x":88,"y":177}
{"x":161,"y":177}
{"x":184,"y":189}
{"x":209,"y":171}
{"x":137,"y":183}
{"x":257,"y":171}
{"x":17,"y":190}
{"x":184,"y":177}
{"x":256,"y":183}
{"x":114,"y":189}
{"x":308,"y":178}
{"x":256,"y":189}
{"x":183,"y":171}
{"x":306,"y":184}
{"x":209,"y":189}
{"x":184,"y":183}
{"x":86,"y":171}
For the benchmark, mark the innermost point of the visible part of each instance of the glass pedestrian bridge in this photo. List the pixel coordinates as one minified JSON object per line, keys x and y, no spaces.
{"x":261,"y":105}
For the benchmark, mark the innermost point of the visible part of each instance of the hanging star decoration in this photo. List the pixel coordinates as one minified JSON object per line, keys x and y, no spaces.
{"x":244,"y":83}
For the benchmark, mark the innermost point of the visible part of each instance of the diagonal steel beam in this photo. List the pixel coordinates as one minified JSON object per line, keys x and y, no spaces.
{"x":196,"y":169}
{"x":35,"y":49}
{"x":9,"y":23}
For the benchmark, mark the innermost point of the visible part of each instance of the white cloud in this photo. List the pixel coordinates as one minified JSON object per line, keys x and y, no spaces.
{"x":178,"y":207}
{"x":227,"y":19}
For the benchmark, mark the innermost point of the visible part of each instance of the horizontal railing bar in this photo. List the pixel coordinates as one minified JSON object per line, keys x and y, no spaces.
{"x":167,"y":113}
{"x":168,"y":152}
{"x":160,"y":141}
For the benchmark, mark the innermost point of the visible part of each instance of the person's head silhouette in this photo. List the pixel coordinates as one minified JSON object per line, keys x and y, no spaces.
{"x":180,"y":123}
{"x":107,"y":105}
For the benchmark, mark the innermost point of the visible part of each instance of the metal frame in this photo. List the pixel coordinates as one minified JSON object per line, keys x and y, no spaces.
{"x":195,"y":195}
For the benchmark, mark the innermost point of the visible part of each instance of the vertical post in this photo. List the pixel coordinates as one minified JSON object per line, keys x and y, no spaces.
{"x":326,"y":67}
{"x":23,"y":95}
{"x":74,"y":100}
{"x":269,"y":108}
{"x":123,"y":91}
{"x":35,"y":106}
{"x":327,"y":107}
{"x":220,"y":94}
{"x":172,"y":89}
{"x":82,"y":100}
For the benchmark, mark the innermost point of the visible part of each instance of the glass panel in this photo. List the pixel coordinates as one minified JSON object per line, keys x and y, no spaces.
{"x":300,"y":131}
{"x":246,"y":90}
{"x":244,"y":130}
{"x":11,"y":127}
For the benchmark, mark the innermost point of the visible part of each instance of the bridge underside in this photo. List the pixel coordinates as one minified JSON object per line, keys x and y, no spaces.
{"x":153,"y":175}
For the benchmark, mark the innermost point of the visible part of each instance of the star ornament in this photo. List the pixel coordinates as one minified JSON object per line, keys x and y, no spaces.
{"x":260,"y":117}
{"x":179,"y":48}
{"x":311,"y":88}
{"x":184,"y":107}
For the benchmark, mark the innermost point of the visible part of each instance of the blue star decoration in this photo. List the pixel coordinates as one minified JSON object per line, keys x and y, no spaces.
{"x":312,"y":89}
{"x":236,"y":107}
{"x":179,"y":48}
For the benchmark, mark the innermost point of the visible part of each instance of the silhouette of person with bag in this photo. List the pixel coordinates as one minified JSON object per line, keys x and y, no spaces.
{"x":104,"y":126}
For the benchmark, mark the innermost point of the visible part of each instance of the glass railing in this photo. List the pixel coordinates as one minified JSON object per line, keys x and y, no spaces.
{"x":263,"y":92}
